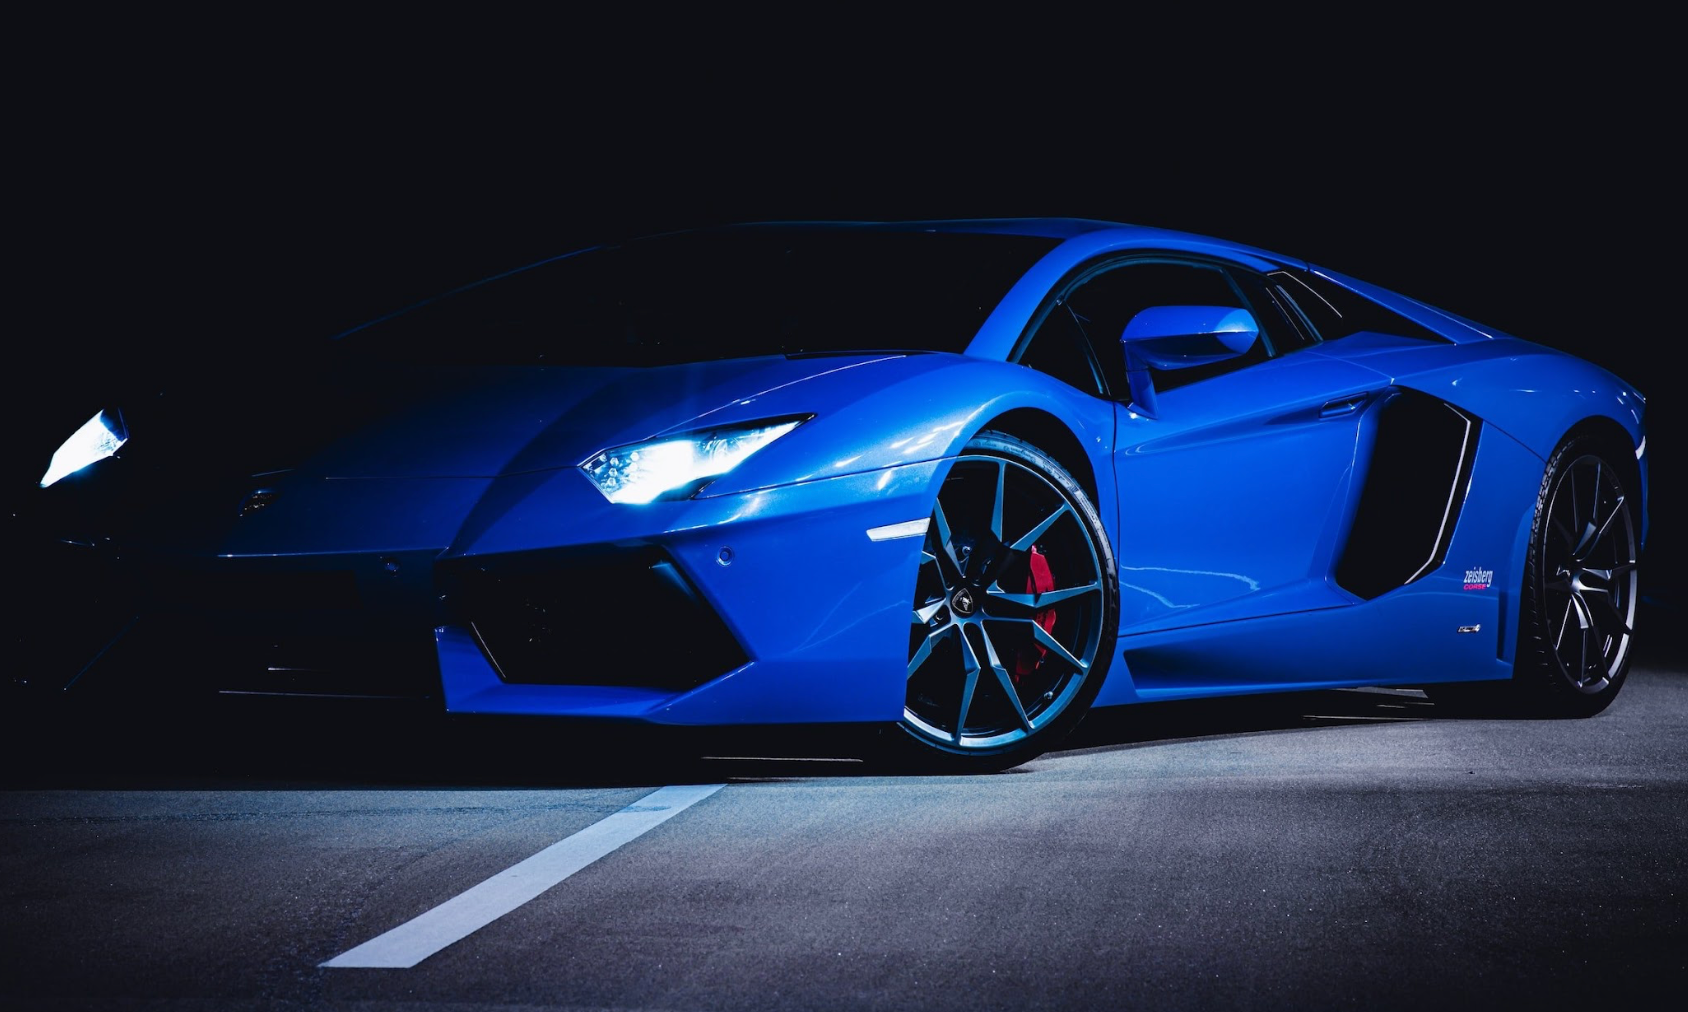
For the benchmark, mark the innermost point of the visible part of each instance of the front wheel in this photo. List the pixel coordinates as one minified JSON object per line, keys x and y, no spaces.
{"x":1014,"y":612}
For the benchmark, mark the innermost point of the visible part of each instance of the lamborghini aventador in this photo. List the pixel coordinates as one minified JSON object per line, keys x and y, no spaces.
{"x":963,"y":481}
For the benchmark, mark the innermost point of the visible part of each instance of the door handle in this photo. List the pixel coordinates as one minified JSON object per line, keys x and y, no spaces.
{"x":1342,"y":406}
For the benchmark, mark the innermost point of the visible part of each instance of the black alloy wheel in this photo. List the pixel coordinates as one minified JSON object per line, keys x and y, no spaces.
{"x":1014,"y":614}
{"x":1579,"y":594}
{"x":1580,"y":584}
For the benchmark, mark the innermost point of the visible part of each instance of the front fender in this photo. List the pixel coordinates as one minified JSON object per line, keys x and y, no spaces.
{"x":924,"y":408}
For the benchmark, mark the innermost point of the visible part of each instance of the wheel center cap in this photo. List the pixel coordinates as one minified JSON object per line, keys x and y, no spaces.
{"x":1588,"y":581}
{"x":963,"y":602}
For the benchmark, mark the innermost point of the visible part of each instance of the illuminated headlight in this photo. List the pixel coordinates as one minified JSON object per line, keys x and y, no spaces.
{"x":93,"y":442}
{"x":676,"y":467}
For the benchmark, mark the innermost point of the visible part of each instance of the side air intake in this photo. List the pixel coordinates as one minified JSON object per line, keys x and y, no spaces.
{"x":1416,"y":484}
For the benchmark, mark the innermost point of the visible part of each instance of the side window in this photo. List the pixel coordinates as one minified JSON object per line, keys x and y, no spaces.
{"x":1280,"y":320}
{"x":1061,"y":349}
{"x":1334,"y":312}
{"x":1106,"y":301}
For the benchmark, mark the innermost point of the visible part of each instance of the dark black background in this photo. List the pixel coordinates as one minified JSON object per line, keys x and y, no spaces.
{"x":192,"y":212}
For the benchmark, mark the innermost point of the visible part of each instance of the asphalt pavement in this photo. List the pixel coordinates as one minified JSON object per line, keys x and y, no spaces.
{"x":1355,"y":849}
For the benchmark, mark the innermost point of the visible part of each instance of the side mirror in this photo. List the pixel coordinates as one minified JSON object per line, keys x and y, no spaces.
{"x":1178,"y":337}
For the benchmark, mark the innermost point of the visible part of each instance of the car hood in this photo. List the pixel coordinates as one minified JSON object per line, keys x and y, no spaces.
{"x":480,"y":421}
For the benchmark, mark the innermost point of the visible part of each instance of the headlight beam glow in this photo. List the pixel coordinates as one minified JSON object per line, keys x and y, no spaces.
{"x":97,"y":439}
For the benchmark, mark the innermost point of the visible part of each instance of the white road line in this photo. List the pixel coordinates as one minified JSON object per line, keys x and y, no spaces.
{"x":417,"y":939}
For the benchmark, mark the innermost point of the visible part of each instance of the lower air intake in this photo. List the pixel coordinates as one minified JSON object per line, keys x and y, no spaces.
{"x":630,"y":620}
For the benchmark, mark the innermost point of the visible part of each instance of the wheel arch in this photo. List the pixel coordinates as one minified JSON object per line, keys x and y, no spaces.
{"x":1612,"y":437}
{"x":1617,"y":442}
{"x":1052,"y":436}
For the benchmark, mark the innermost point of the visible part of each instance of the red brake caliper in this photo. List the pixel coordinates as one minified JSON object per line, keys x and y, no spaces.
{"x":1038,"y":581}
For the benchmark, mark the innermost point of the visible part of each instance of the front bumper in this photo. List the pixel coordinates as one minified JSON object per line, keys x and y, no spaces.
{"x":817,"y":608}
{"x":787,"y":613}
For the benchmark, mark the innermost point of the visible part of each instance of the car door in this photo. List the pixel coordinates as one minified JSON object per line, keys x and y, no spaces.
{"x":1236,"y":485}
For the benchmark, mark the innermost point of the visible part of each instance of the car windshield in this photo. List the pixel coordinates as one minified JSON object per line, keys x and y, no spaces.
{"x":731,"y":293}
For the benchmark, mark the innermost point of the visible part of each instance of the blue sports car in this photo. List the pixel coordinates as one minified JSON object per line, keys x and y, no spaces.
{"x":963,"y":481}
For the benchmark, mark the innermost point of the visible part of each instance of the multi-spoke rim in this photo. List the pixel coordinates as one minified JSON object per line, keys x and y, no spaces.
{"x":1588,"y":574}
{"x":966,"y":626}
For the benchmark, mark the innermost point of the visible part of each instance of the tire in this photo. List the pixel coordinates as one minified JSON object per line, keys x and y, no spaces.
{"x":1006,"y":652}
{"x":1578,"y":605}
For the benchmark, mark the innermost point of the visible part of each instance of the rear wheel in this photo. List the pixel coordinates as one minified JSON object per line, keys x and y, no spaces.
{"x":1577,"y":613}
{"x":1014,"y":612}
{"x":1580,"y":584}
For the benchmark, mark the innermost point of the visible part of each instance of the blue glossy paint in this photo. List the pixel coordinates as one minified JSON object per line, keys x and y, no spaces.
{"x":815,"y":656}
{"x":1450,"y":325}
{"x":1227,"y":509}
{"x":1232,"y":500}
{"x":1534,"y":393}
{"x":1330,"y":648}
{"x":1178,"y":337}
